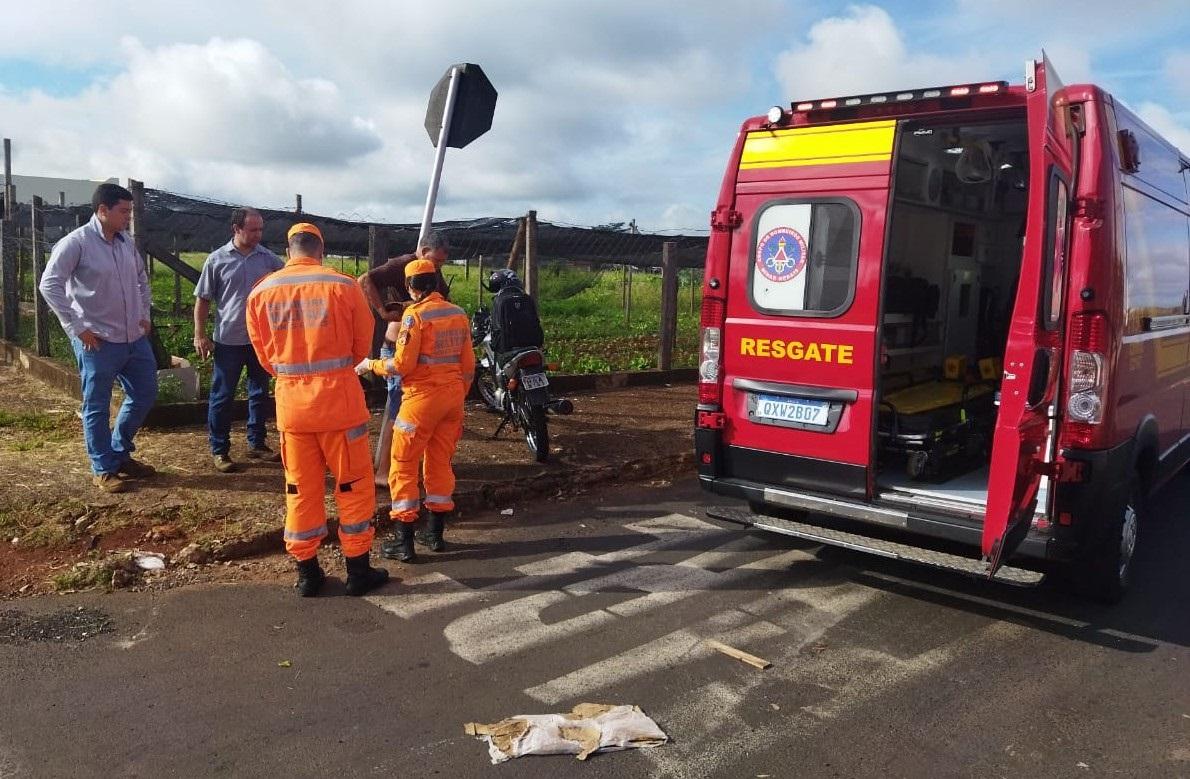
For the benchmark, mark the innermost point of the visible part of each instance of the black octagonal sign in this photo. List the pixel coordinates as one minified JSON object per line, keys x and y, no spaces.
{"x":475,"y":104}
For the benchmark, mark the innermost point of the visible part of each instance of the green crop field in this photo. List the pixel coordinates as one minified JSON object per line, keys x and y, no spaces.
{"x":583,"y":313}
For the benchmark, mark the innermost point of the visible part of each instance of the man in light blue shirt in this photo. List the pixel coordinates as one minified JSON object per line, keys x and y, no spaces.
{"x":227,"y":277}
{"x":95,"y":282}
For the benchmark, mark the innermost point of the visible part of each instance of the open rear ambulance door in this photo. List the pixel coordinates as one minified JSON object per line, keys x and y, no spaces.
{"x":1022,"y":441}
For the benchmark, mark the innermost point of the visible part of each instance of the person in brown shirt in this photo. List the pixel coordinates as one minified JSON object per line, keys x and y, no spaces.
{"x":388,"y":281}
{"x":391,"y":277}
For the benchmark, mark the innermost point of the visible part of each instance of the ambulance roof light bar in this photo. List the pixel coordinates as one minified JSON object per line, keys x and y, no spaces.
{"x":878,"y":98}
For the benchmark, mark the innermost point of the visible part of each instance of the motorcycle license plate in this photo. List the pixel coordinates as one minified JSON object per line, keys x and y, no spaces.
{"x":783,"y":409}
{"x":532,"y":381}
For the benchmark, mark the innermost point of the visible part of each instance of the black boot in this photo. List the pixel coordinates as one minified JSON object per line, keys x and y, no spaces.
{"x":431,"y":535}
{"x":362,"y":578}
{"x":310,"y":578}
{"x":399,"y":546}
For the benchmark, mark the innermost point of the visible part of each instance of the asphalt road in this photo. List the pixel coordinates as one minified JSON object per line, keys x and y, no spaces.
{"x":878,"y":668}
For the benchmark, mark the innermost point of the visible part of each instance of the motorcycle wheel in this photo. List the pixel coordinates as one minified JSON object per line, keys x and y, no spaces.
{"x":537,"y":434}
{"x":485,"y":385}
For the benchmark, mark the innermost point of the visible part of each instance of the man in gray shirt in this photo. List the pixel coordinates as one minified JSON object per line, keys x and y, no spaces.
{"x":95,"y":282}
{"x":227,"y":277}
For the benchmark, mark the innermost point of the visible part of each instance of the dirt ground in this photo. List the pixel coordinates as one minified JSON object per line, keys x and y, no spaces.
{"x":55,"y":526}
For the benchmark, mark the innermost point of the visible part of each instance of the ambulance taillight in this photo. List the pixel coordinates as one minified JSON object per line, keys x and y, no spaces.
{"x":1088,"y":379}
{"x":710,"y":358}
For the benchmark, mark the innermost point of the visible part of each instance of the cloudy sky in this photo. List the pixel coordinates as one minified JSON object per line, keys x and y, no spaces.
{"x":609,"y":110}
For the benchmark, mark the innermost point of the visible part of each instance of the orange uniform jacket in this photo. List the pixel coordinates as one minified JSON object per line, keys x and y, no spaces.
{"x":309,"y":326}
{"x":434,"y":346}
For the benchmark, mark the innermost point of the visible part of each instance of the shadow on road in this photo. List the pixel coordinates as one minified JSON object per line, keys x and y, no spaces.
{"x":1154,"y":611}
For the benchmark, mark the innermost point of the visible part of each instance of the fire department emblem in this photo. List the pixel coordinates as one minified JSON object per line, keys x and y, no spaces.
{"x":781,"y":254}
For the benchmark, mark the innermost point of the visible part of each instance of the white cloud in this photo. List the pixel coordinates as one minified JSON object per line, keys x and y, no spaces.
{"x":607,"y":110}
{"x":225,"y":119}
{"x":1036,"y":24}
{"x":232,"y":100}
{"x":1177,"y":73}
{"x":864,"y":51}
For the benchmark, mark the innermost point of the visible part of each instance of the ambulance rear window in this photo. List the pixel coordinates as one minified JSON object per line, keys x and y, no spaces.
{"x":803,"y":257}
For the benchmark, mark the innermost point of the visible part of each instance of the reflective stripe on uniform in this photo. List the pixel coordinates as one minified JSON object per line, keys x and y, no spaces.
{"x":425,"y":359}
{"x":438,"y":499}
{"x":356,"y":528}
{"x":438,"y":313}
{"x":357,"y":432}
{"x":289,"y":281}
{"x":306,"y":368}
{"x":405,"y":505}
{"x":305,"y":535}
{"x":406,"y":426}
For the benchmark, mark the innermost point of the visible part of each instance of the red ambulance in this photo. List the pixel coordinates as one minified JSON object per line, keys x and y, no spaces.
{"x":953,"y":319}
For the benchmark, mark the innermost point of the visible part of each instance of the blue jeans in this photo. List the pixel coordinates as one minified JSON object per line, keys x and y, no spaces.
{"x":134,"y":366}
{"x":393,"y":383}
{"x":230,"y":362}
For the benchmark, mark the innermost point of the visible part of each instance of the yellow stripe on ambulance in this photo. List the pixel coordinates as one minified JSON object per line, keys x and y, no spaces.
{"x":837,"y":144}
{"x":813,"y":351}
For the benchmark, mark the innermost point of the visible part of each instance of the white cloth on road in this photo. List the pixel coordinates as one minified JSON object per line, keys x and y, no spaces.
{"x":588,"y":728}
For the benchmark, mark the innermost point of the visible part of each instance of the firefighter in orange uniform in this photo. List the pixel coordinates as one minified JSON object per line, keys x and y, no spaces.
{"x":309,"y":325}
{"x":435,"y":362}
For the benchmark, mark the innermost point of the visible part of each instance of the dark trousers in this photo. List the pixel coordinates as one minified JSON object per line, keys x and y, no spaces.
{"x":230,"y":362}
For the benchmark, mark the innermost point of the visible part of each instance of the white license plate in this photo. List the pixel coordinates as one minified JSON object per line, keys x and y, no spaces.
{"x":806,"y":412}
{"x":532,"y":381}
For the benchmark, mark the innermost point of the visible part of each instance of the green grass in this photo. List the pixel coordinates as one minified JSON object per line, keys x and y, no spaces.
{"x":38,"y":422}
{"x":27,"y":432}
{"x":582,"y":311}
{"x":85,"y":575}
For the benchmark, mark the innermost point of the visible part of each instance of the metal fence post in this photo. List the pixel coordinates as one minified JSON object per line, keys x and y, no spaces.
{"x":479,"y":282}
{"x":377,"y":256}
{"x":177,"y":282}
{"x":517,"y":242}
{"x":9,"y":292}
{"x":531,"y":254}
{"x":41,"y":311}
{"x":669,"y":306}
{"x":140,"y":228}
{"x":628,"y":299}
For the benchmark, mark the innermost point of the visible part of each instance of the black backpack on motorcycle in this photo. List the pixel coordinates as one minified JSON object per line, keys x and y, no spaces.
{"x":515,"y":324}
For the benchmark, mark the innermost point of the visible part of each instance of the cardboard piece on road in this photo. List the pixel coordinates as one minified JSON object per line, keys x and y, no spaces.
{"x":743,"y":657}
{"x":586,"y":729}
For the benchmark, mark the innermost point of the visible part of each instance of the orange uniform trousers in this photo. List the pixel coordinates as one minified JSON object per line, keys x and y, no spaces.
{"x":427,"y":428}
{"x":306,"y":458}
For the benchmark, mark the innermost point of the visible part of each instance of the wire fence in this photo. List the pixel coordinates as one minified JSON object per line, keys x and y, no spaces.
{"x":599,"y":287}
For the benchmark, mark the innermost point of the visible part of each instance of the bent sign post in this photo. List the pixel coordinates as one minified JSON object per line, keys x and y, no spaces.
{"x":461,"y":107}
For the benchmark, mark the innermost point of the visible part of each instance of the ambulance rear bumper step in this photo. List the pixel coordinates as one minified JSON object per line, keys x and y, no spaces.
{"x":891,"y":549}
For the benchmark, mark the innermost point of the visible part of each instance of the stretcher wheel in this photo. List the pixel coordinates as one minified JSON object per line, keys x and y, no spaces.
{"x":918,"y":465}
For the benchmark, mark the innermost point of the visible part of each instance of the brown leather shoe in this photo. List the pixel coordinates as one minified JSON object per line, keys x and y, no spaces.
{"x":137,"y":469}
{"x":109,"y":482}
{"x":225,"y":464}
{"x":263,"y":453}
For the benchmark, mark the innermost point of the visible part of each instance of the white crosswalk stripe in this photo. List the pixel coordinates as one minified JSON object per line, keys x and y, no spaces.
{"x":503,"y":621}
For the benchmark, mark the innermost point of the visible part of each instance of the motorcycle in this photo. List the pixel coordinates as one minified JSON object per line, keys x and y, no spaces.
{"x":515,"y":386}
